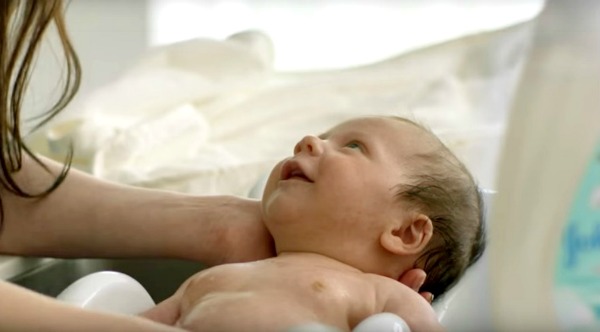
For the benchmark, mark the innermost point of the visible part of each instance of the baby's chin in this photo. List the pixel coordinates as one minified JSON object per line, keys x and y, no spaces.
{"x":282,"y":212}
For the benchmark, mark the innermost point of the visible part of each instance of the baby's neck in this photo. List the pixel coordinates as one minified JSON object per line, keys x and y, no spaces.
{"x":396,"y":267}
{"x":314,"y":259}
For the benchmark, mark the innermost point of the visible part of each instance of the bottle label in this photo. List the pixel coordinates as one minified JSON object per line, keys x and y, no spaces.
{"x":577,"y":277}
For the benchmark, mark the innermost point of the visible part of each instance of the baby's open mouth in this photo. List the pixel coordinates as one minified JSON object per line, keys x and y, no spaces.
{"x":291,"y":170}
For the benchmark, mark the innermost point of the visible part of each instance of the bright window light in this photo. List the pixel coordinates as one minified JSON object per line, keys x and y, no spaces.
{"x":313,"y":35}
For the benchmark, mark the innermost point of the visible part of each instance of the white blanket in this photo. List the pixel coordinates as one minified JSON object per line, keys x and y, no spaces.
{"x":210,"y":117}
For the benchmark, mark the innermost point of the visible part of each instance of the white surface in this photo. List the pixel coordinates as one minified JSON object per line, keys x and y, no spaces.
{"x":383,"y":322}
{"x":108,"y":291}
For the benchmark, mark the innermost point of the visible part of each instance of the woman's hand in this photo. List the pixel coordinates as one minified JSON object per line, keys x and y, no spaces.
{"x":242,"y":234}
{"x":414,"y":279}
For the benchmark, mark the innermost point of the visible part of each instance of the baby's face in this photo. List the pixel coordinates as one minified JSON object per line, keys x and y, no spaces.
{"x":338,"y":188}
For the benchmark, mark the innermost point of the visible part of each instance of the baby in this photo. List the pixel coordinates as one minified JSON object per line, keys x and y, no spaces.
{"x":350,"y":212}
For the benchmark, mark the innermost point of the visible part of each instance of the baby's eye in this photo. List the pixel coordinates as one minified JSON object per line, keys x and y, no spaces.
{"x":354,"y":145}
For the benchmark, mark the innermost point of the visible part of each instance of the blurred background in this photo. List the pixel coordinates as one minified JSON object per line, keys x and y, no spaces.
{"x":473,"y":50}
{"x":111,"y":35}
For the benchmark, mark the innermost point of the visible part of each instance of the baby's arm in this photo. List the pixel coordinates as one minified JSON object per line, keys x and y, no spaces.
{"x":410,"y":306}
{"x":168,"y":311}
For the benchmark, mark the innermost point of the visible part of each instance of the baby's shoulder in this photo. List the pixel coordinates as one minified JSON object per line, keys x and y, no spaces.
{"x":221,"y":274}
{"x":395,"y":297}
{"x":386,"y":285}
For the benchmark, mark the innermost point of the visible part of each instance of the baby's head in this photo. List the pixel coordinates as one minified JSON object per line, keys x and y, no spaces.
{"x":381,"y":194}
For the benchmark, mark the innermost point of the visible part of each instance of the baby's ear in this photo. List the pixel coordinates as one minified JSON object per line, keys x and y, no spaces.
{"x":408,"y":236}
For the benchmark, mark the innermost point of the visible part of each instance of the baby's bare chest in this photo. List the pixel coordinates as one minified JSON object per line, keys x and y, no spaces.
{"x":264,"y":297}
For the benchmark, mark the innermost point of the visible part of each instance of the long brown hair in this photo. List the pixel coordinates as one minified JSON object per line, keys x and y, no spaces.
{"x":22,"y":27}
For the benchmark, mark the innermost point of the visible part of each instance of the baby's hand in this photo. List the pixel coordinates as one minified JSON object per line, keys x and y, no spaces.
{"x":414,"y":279}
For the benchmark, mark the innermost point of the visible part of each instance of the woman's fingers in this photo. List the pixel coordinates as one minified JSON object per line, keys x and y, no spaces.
{"x":428,"y":296}
{"x":415,"y":278}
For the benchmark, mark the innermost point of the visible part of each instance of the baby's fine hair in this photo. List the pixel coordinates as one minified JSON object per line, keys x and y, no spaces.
{"x":441,"y":187}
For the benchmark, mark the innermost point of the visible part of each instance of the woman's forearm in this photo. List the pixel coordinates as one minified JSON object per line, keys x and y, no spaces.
{"x":88,"y":217}
{"x":23,"y":310}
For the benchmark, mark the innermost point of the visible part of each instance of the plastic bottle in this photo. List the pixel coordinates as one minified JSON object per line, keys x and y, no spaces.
{"x":553,"y":131}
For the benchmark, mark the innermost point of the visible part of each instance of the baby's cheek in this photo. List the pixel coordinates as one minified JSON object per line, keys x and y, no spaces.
{"x":272,"y":181}
{"x":270,"y":191}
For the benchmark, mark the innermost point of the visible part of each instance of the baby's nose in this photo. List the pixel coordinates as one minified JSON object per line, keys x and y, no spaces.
{"x":309,"y":144}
